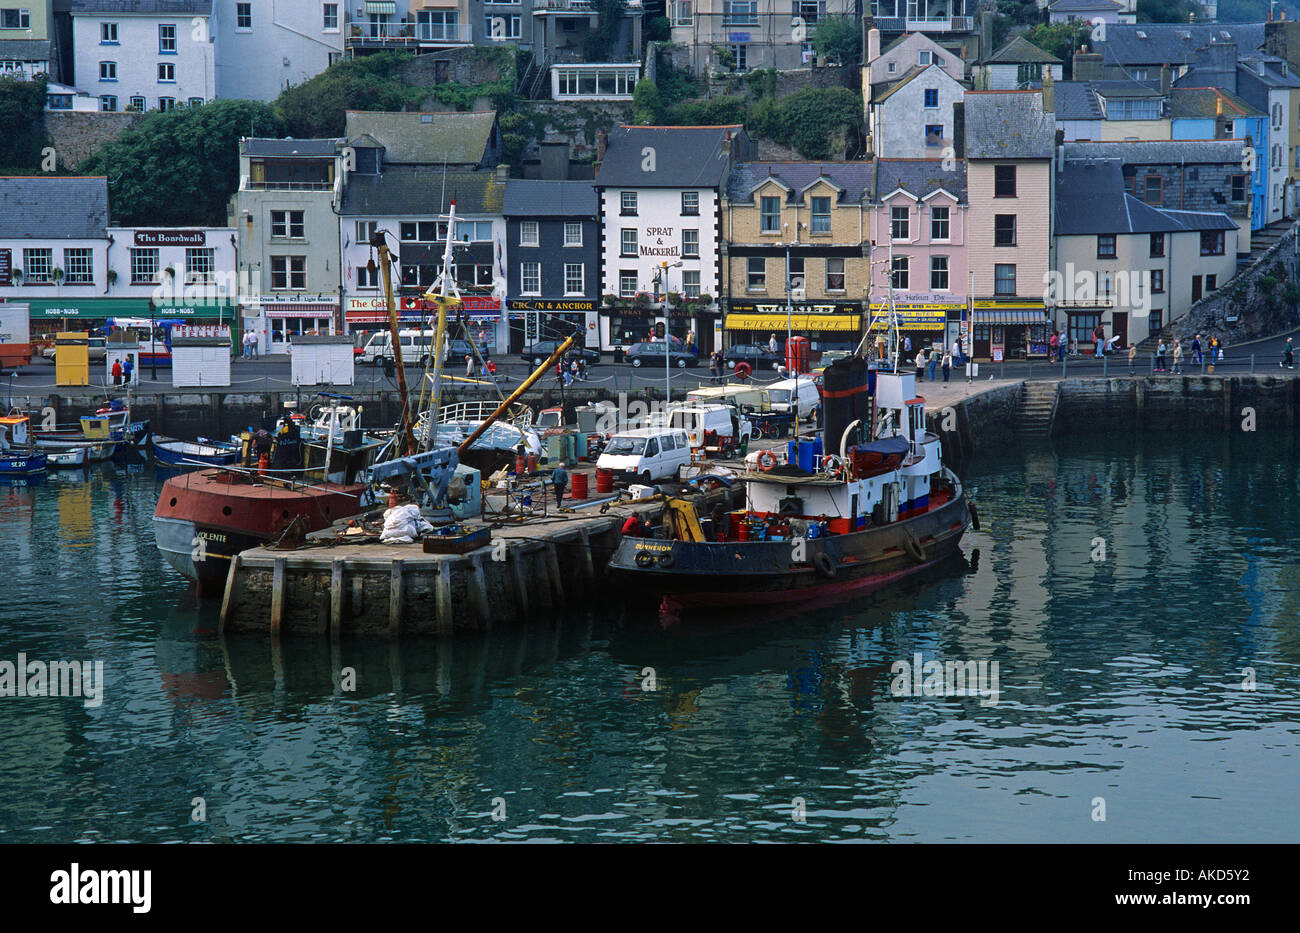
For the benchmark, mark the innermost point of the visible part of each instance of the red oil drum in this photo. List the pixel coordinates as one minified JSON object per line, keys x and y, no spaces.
{"x":742,"y":530}
{"x":604,"y":480}
{"x":577,"y":485}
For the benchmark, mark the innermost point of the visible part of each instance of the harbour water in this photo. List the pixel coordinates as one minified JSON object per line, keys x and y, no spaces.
{"x":1131,"y":592}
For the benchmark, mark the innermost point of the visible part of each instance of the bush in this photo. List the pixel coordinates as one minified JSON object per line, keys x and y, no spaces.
{"x":812,"y":119}
{"x":316,"y":108}
{"x":22,"y":124}
{"x":838,"y":39}
{"x":717,"y":111}
{"x":646,"y":108}
{"x":658,"y":29}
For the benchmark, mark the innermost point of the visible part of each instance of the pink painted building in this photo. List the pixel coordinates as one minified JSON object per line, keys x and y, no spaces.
{"x":917,"y":226}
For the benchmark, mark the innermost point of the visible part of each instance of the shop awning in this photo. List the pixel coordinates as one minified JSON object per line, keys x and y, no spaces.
{"x":300,"y":309}
{"x":1010,"y":316}
{"x":87,"y":308}
{"x":798,"y":322}
{"x":381,"y":7}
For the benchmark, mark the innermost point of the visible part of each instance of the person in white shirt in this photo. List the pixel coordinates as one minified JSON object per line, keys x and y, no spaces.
{"x":771,"y":344}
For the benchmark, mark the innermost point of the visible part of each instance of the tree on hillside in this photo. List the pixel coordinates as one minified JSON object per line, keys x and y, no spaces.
{"x":838,"y":39}
{"x":1061,"y":40}
{"x":1170,"y":11}
{"x":181,"y":167}
{"x":646,"y":107}
{"x":316,"y":108}
{"x":22,"y":125}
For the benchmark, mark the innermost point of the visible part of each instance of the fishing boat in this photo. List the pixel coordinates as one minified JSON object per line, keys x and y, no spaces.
{"x":73,"y":459}
{"x":17,"y":455}
{"x":867,"y":504}
{"x":111,"y":422}
{"x":495,"y":446}
{"x":202,"y":452}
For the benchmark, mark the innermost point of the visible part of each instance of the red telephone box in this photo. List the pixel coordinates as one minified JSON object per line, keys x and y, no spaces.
{"x":796,"y":355}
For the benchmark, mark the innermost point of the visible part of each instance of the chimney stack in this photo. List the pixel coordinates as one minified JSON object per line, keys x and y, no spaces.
{"x":1087,"y":66}
{"x":1165,"y":80}
{"x":873,"y":44}
{"x":602,"y":140}
{"x":1049,"y":91}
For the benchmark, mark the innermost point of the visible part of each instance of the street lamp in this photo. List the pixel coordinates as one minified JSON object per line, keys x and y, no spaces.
{"x":668,"y":336}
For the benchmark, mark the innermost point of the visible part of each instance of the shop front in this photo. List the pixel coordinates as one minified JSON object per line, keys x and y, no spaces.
{"x":481,"y":315}
{"x":827,"y":325}
{"x":623,"y":326}
{"x":534,"y":319}
{"x":1009,"y":331}
{"x":922,"y":324}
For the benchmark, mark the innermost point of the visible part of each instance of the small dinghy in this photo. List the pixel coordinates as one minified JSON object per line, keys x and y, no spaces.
{"x":203,"y":452}
{"x":73,"y":459}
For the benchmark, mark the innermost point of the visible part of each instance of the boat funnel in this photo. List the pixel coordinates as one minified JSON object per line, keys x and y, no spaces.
{"x":847,"y":387}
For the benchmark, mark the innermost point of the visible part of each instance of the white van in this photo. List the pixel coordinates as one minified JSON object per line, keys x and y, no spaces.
{"x":713,"y":428}
{"x":415,"y":344}
{"x":782,"y":395}
{"x":644,"y":455}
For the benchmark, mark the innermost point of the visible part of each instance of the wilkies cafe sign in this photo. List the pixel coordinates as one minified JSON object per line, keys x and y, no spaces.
{"x":170,"y":238}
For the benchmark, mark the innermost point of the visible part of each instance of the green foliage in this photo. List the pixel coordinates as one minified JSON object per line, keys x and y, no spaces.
{"x":599,"y":43}
{"x":647,"y":110}
{"x":316,"y":108}
{"x":22,"y":125}
{"x":1292,"y":295}
{"x":838,"y":39}
{"x":1170,"y":11}
{"x":716,"y":111}
{"x":1019,"y":12}
{"x":675,"y":84}
{"x":180,"y":168}
{"x":1243,"y":11}
{"x":1061,"y":40}
{"x":762,"y":81}
{"x":658,"y":29}
{"x":1266,"y":283}
{"x":814,"y":117}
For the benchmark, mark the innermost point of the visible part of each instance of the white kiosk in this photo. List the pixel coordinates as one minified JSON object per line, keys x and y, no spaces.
{"x":201,"y":356}
{"x":323,"y":360}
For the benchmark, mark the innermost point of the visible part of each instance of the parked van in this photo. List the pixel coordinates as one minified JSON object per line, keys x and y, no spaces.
{"x":788,"y":394}
{"x":644,"y":455}
{"x":415,"y":344}
{"x":713,"y":428}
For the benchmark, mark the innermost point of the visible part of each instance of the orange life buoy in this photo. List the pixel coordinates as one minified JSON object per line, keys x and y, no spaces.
{"x":766,"y":460}
{"x":833,"y":465}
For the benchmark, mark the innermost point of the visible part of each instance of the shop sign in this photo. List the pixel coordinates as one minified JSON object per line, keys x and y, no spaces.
{"x":6,"y":266}
{"x":798,"y":307}
{"x":550,"y":304}
{"x":170,"y":238}
{"x":202,"y":330}
{"x":799,"y":322}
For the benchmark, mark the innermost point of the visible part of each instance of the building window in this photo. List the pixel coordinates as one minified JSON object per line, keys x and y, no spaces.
{"x":433,"y":25}
{"x":167,"y":72}
{"x":529,"y":233}
{"x":166,"y":104}
{"x":835,"y":274}
{"x":289,"y":272}
{"x":1157,"y":280}
{"x":365,"y":229}
{"x":740,"y":12}
{"x":144,"y":266}
{"x":691,"y":243}
{"x":900,"y":274}
{"x":1004,"y":279}
{"x":1153,"y":189}
{"x":367,"y":277}
{"x":1004,"y":229}
{"x":683,"y":12}
{"x":530,"y":278}
{"x":899,"y":223}
{"x":1211,"y":283}
{"x":78,"y":266}
{"x":1081,"y":327}
{"x":691,"y":283}
{"x":821,"y":215}
{"x":934,"y":134}
{"x":167,"y":38}
{"x":200,"y":264}
{"x":195,"y":101}
{"x":931,"y":97}
{"x":472,"y":231}
{"x":243,"y":16}
{"x":740,"y":53}
{"x":939,"y":273}
{"x":424,"y":231}
{"x":137,"y":105}
{"x":288,"y":224}
{"x":628,"y":204}
{"x":626,"y":283}
{"x":1106,"y":246}
{"x":108,"y":71}
{"x":108,"y":33}
{"x":769,"y":215}
{"x":939,"y":226}
{"x":572,"y":234}
{"x":330,"y":13}
{"x":1157,"y":245}
{"x":756,"y":274}
{"x":1004,"y":181}
{"x":15,"y":19}
{"x":499,"y":28}
{"x":628,"y":245}
{"x":1212,"y":243}
{"x":1238,"y":184}
{"x":108,"y":103}
{"x":690,"y":203}
{"x":573,"y":279}
{"x":59,"y":101}
{"x":891,"y":67}
{"x":795,"y":272}
{"x":37,"y":265}
{"x":1154,"y":322}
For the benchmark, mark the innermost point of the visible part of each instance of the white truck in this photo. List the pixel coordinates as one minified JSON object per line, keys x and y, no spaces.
{"x":713,"y":428}
{"x":15,"y":335}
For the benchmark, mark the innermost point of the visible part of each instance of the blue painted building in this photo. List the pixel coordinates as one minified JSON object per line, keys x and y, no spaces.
{"x":1212,"y":113}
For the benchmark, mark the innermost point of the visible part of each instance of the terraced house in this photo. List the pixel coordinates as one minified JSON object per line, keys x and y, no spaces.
{"x":796,"y":251}
{"x":741,"y":35}
{"x":28,"y":41}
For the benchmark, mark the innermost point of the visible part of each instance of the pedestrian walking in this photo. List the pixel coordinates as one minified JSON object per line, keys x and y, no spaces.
{"x":559,"y":482}
{"x":907,"y":345}
{"x":582,"y":368}
{"x":117,"y":372}
{"x":1161,"y":350}
{"x":947,"y":365}
{"x":920,"y":365}
{"x":934,"y":362}
{"x":1053,"y":346}
{"x":492,"y":369}
{"x":771,"y":344}
{"x":1098,"y":336}
{"x":1132,"y":359}
{"x":127,"y":368}
{"x":469,"y":366}
{"x":1288,"y":355}
{"x":1196,"y":350}
{"x":1178,"y":356}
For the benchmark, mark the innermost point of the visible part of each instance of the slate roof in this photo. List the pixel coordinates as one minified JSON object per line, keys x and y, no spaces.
{"x":1075,"y":100}
{"x":1126,"y":88}
{"x":920,"y":177}
{"x":1019,"y":51}
{"x":1172,"y":43}
{"x":427,"y":138}
{"x":884,"y":90}
{"x":1008,"y":125}
{"x":53,"y":207}
{"x":420,"y":190}
{"x":1084,"y":6}
{"x":1160,"y":151}
{"x":283,"y":148}
{"x":854,"y":178}
{"x":685,"y":156}
{"x":144,"y":7}
{"x":1091,"y":200}
{"x":1276,"y":72}
{"x":1203,"y":102}
{"x":542,"y":198}
{"x":25,"y":50}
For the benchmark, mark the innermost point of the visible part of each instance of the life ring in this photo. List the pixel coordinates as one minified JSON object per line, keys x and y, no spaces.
{"x":666,"y":559}
{"x":766,"y":460}
{"x":644,"y":558}
{"x":823,"y":564}
{"x":833,"y":465}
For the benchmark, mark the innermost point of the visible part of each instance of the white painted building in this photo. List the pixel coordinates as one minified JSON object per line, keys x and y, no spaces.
{"x":263,"y":47}
{"x":913,"y":117}
{"x":143,"y":54}
{"x":185,"y":271}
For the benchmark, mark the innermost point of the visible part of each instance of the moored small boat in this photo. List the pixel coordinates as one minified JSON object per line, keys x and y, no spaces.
{"x":17,"y":456}
{"x":72,"y":459}
{"x":203,"y":452}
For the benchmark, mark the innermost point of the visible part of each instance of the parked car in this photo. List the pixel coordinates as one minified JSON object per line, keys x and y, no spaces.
{"x":98,"y":351}
{"x":538,"y":353}
{"x":646,"y":454}
{"x":651,"y":353}
{"x":758,"y":357}
{"x":460,"y":348}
